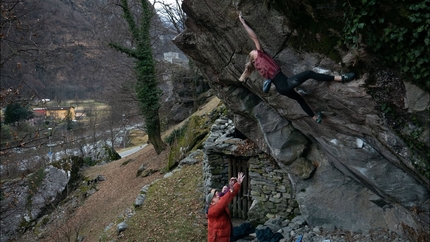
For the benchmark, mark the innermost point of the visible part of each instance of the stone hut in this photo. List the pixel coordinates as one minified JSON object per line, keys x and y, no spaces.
{"x":265,"y":192}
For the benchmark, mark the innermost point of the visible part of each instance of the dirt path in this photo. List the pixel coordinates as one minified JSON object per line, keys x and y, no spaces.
{"x":114,"y":195}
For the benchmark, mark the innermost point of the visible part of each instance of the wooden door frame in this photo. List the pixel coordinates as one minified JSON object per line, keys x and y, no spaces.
{"x":242,"y":202}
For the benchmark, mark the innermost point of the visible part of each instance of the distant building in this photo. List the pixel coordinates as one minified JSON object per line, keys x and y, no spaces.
{"x":38,"y":112}
{"x":57,"y":113}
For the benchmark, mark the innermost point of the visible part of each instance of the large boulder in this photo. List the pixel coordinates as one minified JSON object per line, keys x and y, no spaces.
{"x":26,"y":200}
{"x":366,"y":175}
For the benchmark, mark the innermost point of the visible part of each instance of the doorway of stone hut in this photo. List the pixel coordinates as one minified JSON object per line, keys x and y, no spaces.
{"x":240,"y":205}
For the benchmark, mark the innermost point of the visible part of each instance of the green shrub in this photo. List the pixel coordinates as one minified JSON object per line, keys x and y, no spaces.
{"x":6,"y":133}
{"x":89,"y":161}
{"x":394,"y":31}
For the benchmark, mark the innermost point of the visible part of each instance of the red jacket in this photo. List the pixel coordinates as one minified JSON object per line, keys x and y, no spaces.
{"x":219,"y":223}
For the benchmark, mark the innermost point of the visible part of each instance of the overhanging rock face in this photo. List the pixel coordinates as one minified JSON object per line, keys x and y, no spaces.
{"x":363,"y":174}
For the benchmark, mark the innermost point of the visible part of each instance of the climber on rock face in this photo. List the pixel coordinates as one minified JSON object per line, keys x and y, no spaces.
{"x":270,"y":70}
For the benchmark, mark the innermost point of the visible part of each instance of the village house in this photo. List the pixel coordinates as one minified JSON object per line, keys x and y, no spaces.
{"x":60,"y":113}
{"x":55,"y":113}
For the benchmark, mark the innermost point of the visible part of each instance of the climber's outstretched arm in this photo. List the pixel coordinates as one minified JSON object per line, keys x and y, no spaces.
{"x":250,"y":32}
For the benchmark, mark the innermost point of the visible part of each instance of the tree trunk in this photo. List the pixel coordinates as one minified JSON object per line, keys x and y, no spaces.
{"x":158,"y":144}
{"x":154,"y":136}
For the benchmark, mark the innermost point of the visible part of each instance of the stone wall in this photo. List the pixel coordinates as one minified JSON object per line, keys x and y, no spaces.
{"x":270,"y":191}
{"x":269,"y":185}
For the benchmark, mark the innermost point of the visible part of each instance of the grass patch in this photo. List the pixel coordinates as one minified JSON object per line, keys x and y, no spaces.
{"x":172,"y":211}
{"x":137,"y":137}
{"x":187,"y":138}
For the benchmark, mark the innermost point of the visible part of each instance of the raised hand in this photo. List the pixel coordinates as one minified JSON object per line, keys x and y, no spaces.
{"x":240,"y":17}
{"x":240,"y":177}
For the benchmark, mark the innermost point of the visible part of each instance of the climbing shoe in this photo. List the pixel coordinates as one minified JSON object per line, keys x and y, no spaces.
{"x":319,"y":117}
{"x":266,"y":85}
{"x":348,"y":77}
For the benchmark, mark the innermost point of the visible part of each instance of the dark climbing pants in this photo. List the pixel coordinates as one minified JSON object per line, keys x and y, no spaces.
{"x":285,"y":86}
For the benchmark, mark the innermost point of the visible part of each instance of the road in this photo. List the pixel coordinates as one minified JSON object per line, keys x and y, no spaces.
{"x":131,"y":151}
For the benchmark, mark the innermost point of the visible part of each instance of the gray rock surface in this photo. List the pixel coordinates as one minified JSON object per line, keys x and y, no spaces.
{"x":25,"y":200}
{"x":365,"y":175}
{"x":292,"y":230}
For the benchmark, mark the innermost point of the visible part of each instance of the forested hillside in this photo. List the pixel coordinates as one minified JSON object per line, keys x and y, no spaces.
{"x":58,"y":50}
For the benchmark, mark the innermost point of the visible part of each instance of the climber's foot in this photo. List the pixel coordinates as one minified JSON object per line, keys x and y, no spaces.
{"x":348,"y":77}
{"x":319,"y":117}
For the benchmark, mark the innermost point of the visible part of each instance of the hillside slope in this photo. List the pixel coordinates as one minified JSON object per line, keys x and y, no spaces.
{"x":115,"y":196}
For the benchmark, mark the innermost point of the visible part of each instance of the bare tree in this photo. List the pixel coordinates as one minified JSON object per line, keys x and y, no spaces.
{"x":94,"y":115}
{"x":116,"y":121}
{"x":174,"y":17}
{"x":69,"y":227}
{"x":172,"y":14}
{"x":18,"y":30}
{"x":22,"y":45}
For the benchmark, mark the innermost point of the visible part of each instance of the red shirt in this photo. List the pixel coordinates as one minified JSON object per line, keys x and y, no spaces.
{"x":267,"y":67}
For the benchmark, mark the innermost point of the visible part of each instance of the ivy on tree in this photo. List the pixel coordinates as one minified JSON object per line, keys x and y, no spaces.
{"x":147,"y":91}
